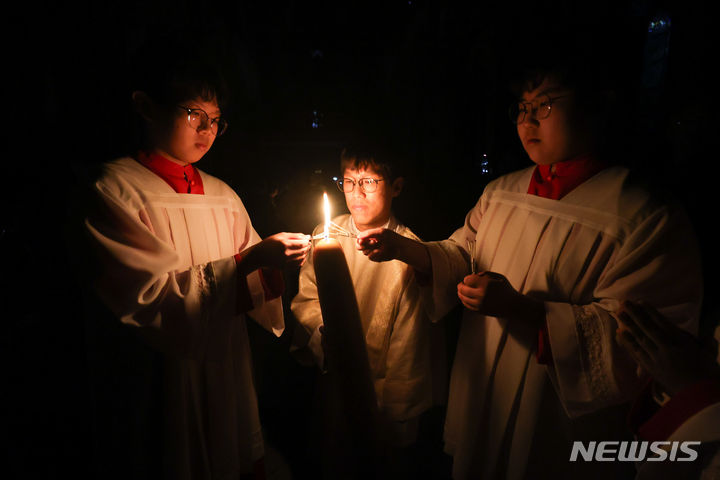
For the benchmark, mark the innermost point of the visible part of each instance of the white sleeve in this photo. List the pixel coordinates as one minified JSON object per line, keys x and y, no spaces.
{"x":659,"y":264}
{"x":266,"y":313}
{"x":450,"y":263}
{"x":138,"y":276}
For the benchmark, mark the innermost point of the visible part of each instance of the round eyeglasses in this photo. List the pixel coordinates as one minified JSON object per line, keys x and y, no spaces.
{"x":367,"y":185}
{"x":198,"y":119}
{"x":541,"y":107}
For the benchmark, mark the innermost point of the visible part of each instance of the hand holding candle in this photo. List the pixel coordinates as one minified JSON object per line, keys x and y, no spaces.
{"x":471,"y":251}
{"x":490,"y":293}
{"x":382,"y":245}
{"x":279,"y":250}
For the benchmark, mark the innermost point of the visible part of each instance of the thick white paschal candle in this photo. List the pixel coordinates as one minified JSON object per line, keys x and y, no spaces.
{"x":346,"y":352}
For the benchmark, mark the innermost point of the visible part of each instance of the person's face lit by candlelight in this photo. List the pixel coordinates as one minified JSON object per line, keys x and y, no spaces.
{"x":183,"y":133}
{"x":551,"y":126}
{"x":369,"y":204}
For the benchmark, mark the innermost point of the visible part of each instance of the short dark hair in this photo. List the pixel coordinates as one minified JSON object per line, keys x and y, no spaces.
{"x":170,"y":70}
{"x":382,"y":158}
{"x":578,"y":57}
{"x":585,"y":80}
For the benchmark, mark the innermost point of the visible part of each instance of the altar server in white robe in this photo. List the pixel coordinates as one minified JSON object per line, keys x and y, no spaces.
{"x":405,"y":349}
{"x":681,"y":399}
{"x":555,"y":246}
{"x":178,"y":263}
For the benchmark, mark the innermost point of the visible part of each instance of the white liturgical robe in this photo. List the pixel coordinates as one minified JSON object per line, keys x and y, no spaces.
{"x":166,"y":268}
{"x":603,"y":242}
{"x":404,"y":347}
{"x":702,"y":426}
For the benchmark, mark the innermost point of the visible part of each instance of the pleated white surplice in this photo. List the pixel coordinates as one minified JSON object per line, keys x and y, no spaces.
{"x":605,"y":241}
{"x":165,"y":268}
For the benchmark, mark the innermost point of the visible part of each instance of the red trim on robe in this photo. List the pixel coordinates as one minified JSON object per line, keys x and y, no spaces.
{"x":182,"y":179}
{"x":543,"y":354}
{"x":554,"y":182}
{"x":659,"y":423}
{"x":643,"y":407}
{"x":271,"y":280}
{"x":243,"y":299}
{"x":557,"y":180}
{"x":186,"y":179}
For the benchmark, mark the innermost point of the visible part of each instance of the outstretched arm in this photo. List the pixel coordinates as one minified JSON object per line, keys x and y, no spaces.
{"x":381,"y":245}
{"x":276,"y":251}
{"x":180,"y":307}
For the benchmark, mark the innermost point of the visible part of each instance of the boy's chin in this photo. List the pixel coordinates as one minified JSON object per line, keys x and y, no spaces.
{"x":363,"y":223}
{"x":192,"y":158}
{"x":538,"y":160}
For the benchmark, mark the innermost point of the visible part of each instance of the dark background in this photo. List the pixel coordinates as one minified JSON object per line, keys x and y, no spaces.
{"x":306,"y":77}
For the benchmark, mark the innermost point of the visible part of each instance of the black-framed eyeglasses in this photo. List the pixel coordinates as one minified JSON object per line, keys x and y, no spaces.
{"x":367,"y":185}
{"x":541,"y":107}
{"x":199,"y":119}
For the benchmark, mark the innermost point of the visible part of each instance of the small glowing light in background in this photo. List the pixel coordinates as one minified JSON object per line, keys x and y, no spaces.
{"x":485,"y":165}
{"x":659,"y":24}
{"x":316,"y":117}
{"x":335,"y":179}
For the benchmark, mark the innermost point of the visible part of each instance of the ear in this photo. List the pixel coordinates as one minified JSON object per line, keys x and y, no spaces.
{"x":397,"y":186}
{"x":144,"y":105}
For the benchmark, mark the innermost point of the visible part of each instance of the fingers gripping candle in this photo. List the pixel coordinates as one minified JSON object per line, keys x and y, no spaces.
{"x":346,"y":352}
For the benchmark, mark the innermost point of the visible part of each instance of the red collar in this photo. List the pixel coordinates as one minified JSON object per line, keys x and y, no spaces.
{"x":182,"y":179}
{"x":557,"y":180}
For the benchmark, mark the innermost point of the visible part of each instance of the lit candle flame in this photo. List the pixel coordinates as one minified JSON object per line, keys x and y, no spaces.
{"x":326,"y":209}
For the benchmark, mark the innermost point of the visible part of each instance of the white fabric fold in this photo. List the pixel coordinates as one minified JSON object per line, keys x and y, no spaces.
{"x":604,"y":242}
{"x":166,"y":267}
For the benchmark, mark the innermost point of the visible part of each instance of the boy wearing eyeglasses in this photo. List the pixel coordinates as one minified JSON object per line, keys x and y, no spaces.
{"x":401,"y":342}
{"x":180,"y":268}
{"x":556,"y":246}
